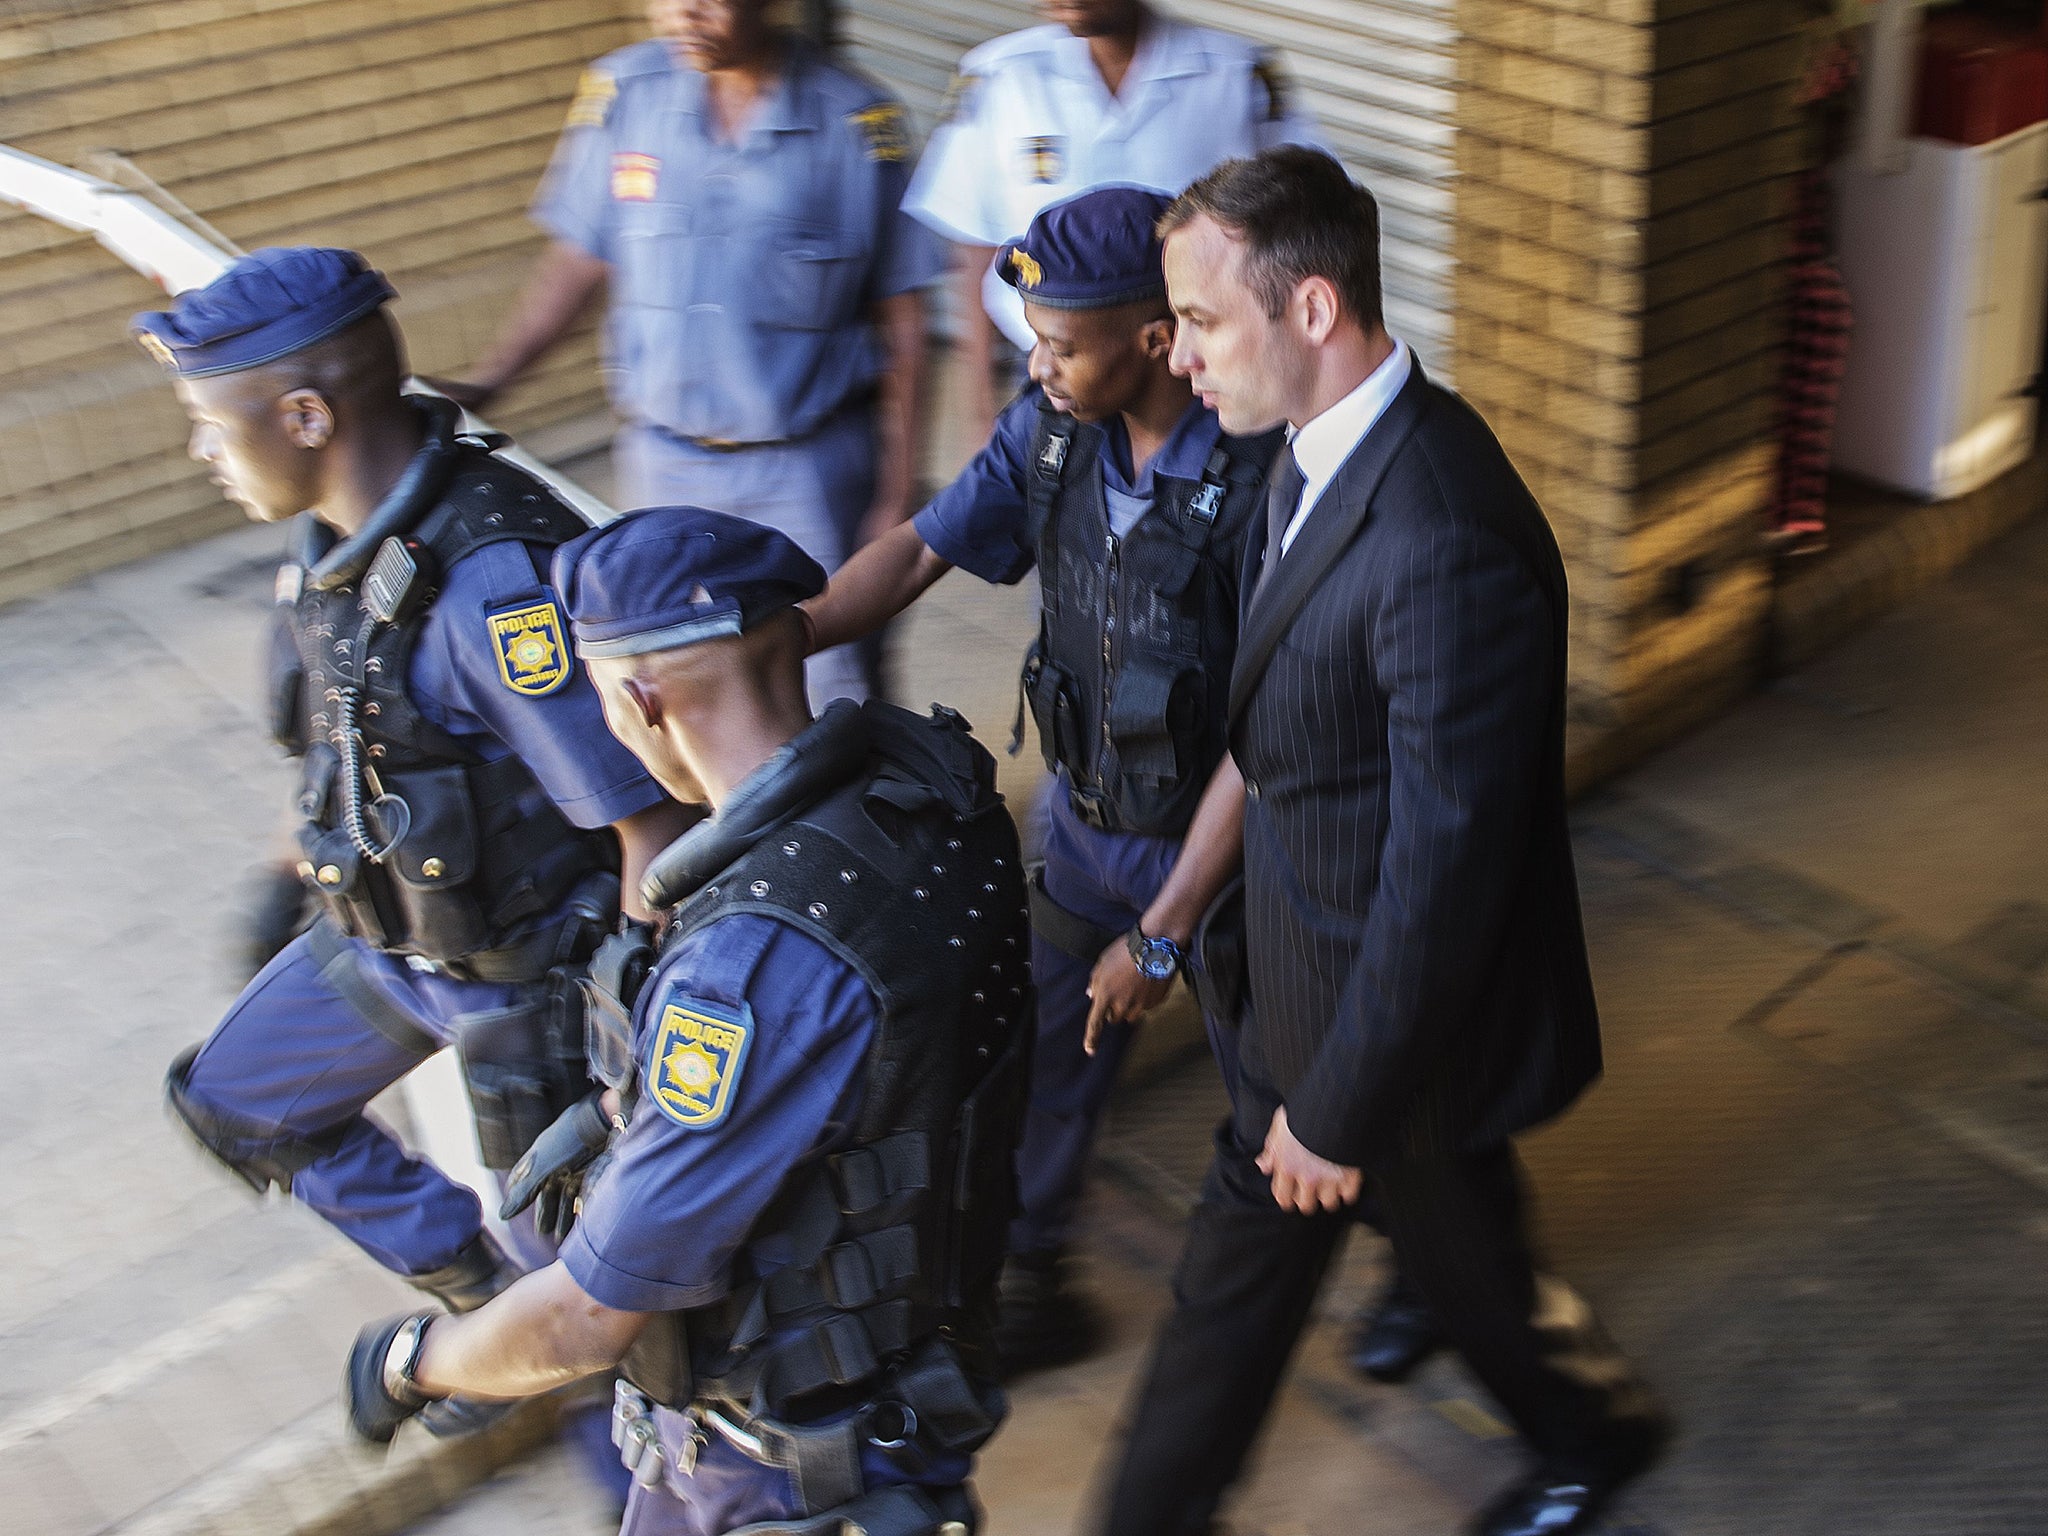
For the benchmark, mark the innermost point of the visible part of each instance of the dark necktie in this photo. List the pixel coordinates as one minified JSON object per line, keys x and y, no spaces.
{"x":1284,"y":483}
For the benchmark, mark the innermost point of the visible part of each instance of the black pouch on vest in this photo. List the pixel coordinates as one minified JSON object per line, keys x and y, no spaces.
{"x":1049,"y":689}
{"x":337,"y":878}
{"x":1155,"y":724}
{"x":435,"y":863}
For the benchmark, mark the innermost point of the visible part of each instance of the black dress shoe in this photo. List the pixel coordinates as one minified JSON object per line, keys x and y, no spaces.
{"x":1537,"y":1506}
{"x":1042,"y":1320}
{"x":1555,"y":1501}
{"x":1390,"y":1343}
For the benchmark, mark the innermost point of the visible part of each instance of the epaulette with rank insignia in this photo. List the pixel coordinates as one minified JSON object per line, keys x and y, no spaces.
{"x":595,"y":93}
{"x":882,"y":125}
{"x":1267,"y":69}
{"x":959,"y":98}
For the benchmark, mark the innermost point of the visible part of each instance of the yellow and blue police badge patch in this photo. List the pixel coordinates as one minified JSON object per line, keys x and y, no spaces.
{"x":882,"y":126}
{"x":1043,"y":157}
{"x":533,"y":657}
{"x":595,"y":93}
{"x":693,"y":1065}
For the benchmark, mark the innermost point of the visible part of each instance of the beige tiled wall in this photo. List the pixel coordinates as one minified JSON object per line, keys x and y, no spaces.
{"x":413,"y":130}
{"x":1621,"y":200}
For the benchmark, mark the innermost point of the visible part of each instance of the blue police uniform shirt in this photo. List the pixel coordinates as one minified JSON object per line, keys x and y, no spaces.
{"x":742,"y":274}
{"x":664,"y":1224}
{"x":455,"y":682}
{"x":980,"y":521}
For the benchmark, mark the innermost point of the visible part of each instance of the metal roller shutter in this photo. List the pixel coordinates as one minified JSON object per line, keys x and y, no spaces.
{"x":1378,"y":75}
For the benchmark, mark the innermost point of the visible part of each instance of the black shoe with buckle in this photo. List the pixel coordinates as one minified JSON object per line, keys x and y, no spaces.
{"x":1391,"y":1342}
{"x":1043,"y":1321}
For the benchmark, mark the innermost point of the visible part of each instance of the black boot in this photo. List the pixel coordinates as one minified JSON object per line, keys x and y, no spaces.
{"x":1390,"y":1341}
{"x":1043,"y":1321}
{"x":476,"y":1274}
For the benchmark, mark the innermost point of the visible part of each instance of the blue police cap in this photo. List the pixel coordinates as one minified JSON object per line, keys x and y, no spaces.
{"x":1090,"y":252}
{"x":268,"y":305}
{"x":667,"y":577}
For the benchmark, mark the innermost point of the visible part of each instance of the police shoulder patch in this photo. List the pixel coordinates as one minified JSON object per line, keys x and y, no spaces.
{"x":959,"y":98}
{"x":882,"y":126}
{"x":595,"y":93}
{"x":533,"y":656}
{"x":696,"y":1053}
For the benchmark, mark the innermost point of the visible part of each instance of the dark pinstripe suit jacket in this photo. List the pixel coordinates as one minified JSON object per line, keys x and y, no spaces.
{"x":1414,"y":951}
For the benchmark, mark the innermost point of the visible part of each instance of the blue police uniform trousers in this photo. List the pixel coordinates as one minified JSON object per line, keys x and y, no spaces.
{"x":295,"y":1054}
{"x":815,"y":489}
{"x":1108,"y":878}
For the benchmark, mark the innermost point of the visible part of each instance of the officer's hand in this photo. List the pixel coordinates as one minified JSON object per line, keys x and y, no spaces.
{"x":1119,"y":993}
{"x":470,"y":394}
{"x":378,"y":1400}
{"x":550,"y":1176}
{"x":279,"y":910}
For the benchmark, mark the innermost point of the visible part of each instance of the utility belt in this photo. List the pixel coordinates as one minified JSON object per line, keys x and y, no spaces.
{"x":824,"y":1462}
{"x":860,"y":400}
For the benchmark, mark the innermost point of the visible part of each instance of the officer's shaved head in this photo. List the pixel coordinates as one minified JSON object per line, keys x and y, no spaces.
{"x":669,"y":706}
{"x":264,"y":431}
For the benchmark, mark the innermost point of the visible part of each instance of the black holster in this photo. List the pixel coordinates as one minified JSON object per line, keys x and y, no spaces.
{"x":525,"y":1063}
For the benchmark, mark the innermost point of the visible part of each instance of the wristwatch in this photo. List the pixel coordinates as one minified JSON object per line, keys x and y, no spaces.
{"x":1159,"y":959}
{"x":403,"y":1358}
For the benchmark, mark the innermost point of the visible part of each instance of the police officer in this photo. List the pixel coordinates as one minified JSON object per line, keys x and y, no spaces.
{"x":741,"y":192}
{"x":464,"y":814}
{"x":1119,"y":486}
{"x":792,"y":1246}
{"x":1107,"y":91}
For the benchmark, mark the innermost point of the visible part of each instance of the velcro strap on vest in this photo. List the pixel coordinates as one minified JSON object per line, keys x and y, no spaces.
{"x":866,"y":1178}
{"x":1065,"y":931}
{"x":842,"y":1350}
{"x":848,"y":1276}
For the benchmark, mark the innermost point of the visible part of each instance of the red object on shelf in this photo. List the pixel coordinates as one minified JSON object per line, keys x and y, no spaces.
{"x":1979,"y":81}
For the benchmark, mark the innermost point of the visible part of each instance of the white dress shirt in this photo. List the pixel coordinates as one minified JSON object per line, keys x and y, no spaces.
{"x":1031,"y":122}
{"x":1323,"y":444}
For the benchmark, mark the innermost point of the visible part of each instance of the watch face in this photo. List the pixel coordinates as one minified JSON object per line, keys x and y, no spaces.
{"x":1156,"y":961}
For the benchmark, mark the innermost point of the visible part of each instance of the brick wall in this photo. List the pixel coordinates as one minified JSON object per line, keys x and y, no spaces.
{"x":1621,"y":199}
{"x":412,"y":130}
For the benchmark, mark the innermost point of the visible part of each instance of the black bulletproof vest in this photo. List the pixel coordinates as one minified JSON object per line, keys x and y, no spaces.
{"x":474,"y":851}
{"x":1130,"y":675}
{"x":910,"y":873}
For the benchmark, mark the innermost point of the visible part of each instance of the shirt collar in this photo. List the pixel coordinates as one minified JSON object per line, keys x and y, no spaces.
{"x":789,"y":105}
{"x":1163,"y":53}
{"x":1182,"y":456}
{"x":1323,"y":444}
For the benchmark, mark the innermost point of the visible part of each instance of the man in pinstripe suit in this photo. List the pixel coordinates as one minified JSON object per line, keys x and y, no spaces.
{"x":1419,"y":991}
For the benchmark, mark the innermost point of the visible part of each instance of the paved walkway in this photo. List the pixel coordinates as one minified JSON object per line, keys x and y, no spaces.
{"x":1812,"y":1193}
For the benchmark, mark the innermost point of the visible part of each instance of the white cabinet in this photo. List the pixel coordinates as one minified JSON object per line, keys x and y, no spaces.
{"x":1947,"y":263}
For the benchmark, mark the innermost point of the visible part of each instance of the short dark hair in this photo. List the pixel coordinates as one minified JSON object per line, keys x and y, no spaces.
{"x":1300,"y":215}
